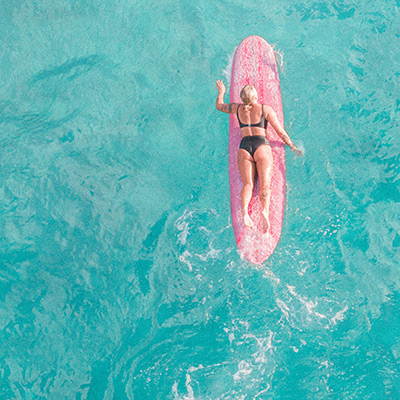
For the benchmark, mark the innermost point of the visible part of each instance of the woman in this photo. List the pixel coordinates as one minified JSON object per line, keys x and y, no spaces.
{"x":255,"y":151}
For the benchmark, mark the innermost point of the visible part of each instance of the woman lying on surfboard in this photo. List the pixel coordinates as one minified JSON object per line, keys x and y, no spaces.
{"x":254,"y":151}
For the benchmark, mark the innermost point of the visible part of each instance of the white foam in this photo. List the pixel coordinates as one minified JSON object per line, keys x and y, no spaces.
{"x":244,"y":368}
{"x":227,"y":72}
{"x":279,"y":59}
{"x":183,"y":226}
{"x":190,"y":392}
{"x":263,"y":391}
{"x":185,"y":259}
{"x":339,"y":316}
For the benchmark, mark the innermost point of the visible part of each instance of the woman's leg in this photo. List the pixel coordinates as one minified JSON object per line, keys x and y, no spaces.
{"x":247,"y":171}
{"x":264,"y":161}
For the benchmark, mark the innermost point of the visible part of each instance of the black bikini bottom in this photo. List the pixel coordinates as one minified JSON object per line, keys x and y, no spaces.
{"x":252,"y":143}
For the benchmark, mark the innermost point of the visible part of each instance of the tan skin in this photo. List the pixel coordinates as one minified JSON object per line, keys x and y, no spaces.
{"x":262,"y":159}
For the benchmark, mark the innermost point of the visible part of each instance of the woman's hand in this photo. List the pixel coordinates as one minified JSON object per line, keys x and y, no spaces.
{"x":297,"y":151}
{"x":221,"y":87}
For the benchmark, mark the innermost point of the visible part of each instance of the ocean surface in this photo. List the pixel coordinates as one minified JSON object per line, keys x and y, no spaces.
{"x":119,"y":272}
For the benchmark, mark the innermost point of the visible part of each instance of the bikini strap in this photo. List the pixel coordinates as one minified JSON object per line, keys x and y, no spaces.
{"x":237,"y":114}
{"x":265,"y":119}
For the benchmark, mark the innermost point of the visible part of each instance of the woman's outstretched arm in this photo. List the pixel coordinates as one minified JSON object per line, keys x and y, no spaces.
{"x":221,"y":106}
{"x":273,"y":120}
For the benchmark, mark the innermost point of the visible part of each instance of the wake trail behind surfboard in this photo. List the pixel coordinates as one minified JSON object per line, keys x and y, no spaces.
{"x":279,"y":59}
{"x":227,"y":71}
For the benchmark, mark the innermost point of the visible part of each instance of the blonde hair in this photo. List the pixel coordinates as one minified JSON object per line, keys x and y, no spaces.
{"x":248,"y":96}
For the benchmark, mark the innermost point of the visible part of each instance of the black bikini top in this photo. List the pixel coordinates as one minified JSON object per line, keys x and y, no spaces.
{"x":262,"y":124}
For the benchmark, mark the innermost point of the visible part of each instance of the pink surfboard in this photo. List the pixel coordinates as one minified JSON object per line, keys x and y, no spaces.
{"x":254,"y":63}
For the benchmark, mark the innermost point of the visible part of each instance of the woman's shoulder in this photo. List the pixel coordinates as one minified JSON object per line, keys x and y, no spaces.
{"x":267,"y":109}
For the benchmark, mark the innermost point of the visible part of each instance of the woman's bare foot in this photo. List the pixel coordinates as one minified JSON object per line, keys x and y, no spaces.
{"x":247,"y":221}
{"x":265,"y":221}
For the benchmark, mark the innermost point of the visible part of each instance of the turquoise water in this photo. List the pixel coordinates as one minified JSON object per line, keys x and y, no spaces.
{"x":119,"y":273}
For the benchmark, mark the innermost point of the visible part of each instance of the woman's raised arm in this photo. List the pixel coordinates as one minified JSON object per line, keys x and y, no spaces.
{"x":221,"y":106}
